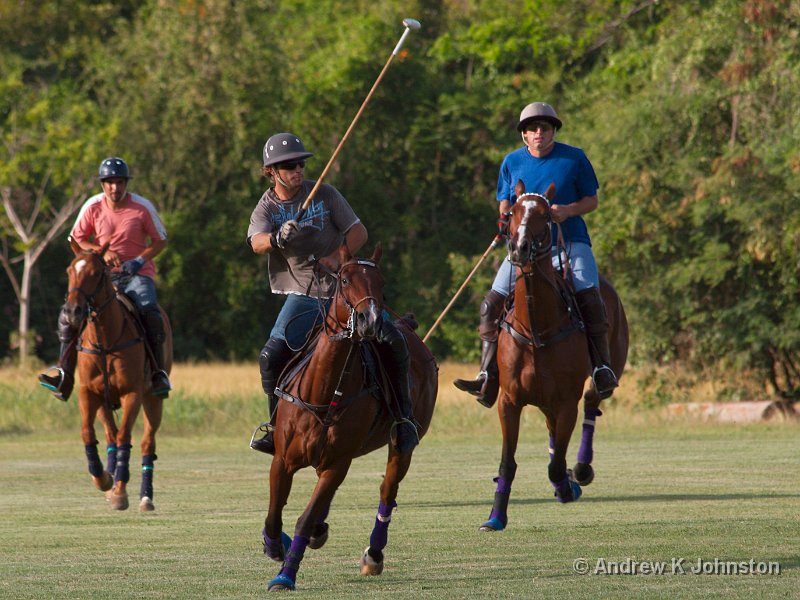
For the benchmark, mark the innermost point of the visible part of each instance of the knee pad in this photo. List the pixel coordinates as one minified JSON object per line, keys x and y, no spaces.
{"x":65,"y":331}
{"x":154,"y":325}
{"x":491,"y":309}
{"x":274,"y":356}
{"x":391,"y":336}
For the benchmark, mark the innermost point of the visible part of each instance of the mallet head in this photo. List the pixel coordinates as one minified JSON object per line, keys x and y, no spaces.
{"x":411,"y":23}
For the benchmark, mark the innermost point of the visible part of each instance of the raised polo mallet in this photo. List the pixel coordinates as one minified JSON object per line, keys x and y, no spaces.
{"x":409,"y":25}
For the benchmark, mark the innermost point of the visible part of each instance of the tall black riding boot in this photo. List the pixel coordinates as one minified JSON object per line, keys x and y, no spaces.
{"x":593,"y":311}
{"x":486,"y":385}
{"x":274,"y":356}
{"x":62,"y":380}
{"x":154,"y":329}
{"x":406,"y":434}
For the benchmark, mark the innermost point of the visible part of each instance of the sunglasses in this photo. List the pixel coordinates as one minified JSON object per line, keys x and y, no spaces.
{"x":540,"y":125}
{"x":291,"y":166}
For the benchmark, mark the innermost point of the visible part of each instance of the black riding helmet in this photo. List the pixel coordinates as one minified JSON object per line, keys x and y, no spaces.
{"x":283,"y":147}
{"x":113,"y":167}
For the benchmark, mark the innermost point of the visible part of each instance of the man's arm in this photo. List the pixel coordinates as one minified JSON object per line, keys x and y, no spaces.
{"x":261,"y":243}
{"x":562,"y":212}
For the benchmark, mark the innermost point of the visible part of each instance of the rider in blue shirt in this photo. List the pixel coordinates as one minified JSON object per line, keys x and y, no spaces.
{"x":539,"y":163}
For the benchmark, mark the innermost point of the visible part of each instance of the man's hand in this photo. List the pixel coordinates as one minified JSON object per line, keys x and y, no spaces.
{"x":286,"y":233}
{"x":132,"y":266}
{"x":502,"y":225}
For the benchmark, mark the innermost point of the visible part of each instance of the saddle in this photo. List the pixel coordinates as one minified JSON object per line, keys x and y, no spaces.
{"x":134,"y":313}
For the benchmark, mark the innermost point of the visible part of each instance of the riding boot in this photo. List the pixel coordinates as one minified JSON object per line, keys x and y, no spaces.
{"x":406,"y":435}
{"x":274,"y":356}
{"x":154,"y":330}
{"x":593,"y":312}
{"x":62,"y":382}
{"x":486,"y":385}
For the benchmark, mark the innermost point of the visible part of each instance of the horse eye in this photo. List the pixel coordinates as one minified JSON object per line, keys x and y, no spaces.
{"x":345,"y":281}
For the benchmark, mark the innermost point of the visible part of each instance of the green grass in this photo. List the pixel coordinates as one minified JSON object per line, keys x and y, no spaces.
{"x":663,"y":491}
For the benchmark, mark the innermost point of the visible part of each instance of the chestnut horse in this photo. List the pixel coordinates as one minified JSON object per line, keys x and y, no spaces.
{"x":113,"y":371}
{"x":334,"y":412}
{"x":543,"y":355}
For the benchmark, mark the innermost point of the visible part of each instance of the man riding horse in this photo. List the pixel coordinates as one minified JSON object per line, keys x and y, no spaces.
{"x":293,"y":239}
{"x":540,"y":162}
{"x":131,"y":226}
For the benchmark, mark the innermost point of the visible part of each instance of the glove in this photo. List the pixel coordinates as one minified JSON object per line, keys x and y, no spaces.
{"x":132,"y":266}
{"x":286,"y":233}
{"x":502,"y":225}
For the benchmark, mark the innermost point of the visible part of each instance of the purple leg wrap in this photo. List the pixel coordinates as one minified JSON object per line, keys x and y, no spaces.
{"x":111,"y":458}
{"x":95,"y":466}
{"x":501,"y":496}
{"x":293,"y":557}
{"x":585,"y":453}
{"x":380,"y":532}
{"x":122,"y":473}
{"x":147,"y":476}
{"x":563,"y":490}
{"x":272,"y":547}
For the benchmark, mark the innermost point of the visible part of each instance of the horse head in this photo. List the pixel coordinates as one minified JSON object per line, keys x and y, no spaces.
{"x":529,"y":229}
{"x":358,"y":301}
{"x":87,"y":275}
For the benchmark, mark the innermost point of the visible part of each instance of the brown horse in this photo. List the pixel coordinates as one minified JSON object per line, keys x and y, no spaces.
{"x":335,"y":411}
{"x":112,"y":369}
{"x":543,"y":355}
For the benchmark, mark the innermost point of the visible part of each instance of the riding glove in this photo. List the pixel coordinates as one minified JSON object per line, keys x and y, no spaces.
{"x":286,"y":233}
{"x":502,"y":225}
{"x":132,"y":266}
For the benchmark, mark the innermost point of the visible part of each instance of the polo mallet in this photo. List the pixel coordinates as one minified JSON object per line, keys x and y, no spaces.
{"x":409,"y":25}
{"x":495,"y":243}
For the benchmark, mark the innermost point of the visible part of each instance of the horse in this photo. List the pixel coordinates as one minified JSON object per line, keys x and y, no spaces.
{"x":335,"y":411}
{"x":112,"y":370}
{"x":543,"y":356}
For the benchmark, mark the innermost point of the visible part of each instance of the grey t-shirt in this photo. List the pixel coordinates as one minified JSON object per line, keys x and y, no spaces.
{"x":322,"y":231}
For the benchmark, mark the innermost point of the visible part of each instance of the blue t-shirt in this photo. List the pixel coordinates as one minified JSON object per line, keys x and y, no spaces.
{"x":567,"y":167}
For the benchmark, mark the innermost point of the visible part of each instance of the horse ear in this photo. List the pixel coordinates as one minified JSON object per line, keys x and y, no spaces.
{"x":519,"y":189}
{"x":329,"y":264}
{"x":104,"y":248}
{"x":76,"y":249}
{"x":344,"y":253}
{"x":551,"y":191}
{"x":377,"y":253}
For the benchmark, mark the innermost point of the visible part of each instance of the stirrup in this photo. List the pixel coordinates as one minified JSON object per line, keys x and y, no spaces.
{"x":610,"y":379}
{"x":45,"y":381}
{"x":394,"y":434}
{"x":468,"y":385}
{"x":265,"y":428}
{"x":163,"y":390}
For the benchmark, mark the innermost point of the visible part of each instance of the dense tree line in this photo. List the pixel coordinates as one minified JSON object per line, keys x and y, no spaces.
{"x":686,"y":109}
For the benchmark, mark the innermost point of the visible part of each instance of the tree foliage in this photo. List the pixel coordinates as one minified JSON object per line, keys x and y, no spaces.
{"x":687,"y":111}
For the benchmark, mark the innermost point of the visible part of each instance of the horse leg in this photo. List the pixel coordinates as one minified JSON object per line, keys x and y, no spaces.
{"x":153,"y":412}
{"x":509,"y":421}
{"x":329,"y":481}
{"x":88,"y":405}
{"x":396,"y":469}
{"x":320,"y":533}
{"x":276,"y":542}
{"x":110,"y":426}
{"x":118,"y":498}
{"x":583,"y":471}
{"x":566,"y":488}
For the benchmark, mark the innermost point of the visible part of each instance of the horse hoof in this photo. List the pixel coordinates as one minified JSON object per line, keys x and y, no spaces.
{"x":118,"y":501}
{"x":319,"y":537}
{"x":281,"y":583}
{"x":583,"y":474}
{"x":146,"y":505}
{"x":493,"y":524}
{"x":104,"y":482}
{"x":369,"y":566}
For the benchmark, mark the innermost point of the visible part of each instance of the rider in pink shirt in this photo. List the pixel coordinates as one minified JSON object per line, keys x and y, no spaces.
{"x":131,"y":226}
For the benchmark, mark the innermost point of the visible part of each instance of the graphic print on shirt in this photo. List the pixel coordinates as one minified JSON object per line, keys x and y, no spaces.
{"x":313,"y":217}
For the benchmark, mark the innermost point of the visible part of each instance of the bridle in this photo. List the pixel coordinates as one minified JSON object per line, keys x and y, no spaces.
{"x":347,"y":330}
{"x":90,"y":298}
{"x":539,"y":245}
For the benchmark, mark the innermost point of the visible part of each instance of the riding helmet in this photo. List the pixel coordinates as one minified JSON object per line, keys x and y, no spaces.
{"x":539,"y":111}
{"x":283,"y":147}
{"x":113,"y":167}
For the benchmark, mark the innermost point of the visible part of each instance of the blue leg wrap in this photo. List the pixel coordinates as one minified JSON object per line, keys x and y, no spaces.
{"x":111,"y":459}
{"x":95,"y":466}
{"x":122,"y":472}
{"x":147,"y":476}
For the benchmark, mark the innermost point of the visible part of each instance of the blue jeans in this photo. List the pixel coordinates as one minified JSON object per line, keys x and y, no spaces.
{"x":139,"y":288}
{"x":581,"y":258}
{"x":297,"y":317}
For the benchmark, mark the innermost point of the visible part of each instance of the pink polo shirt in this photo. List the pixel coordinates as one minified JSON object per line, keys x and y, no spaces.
{"x":127,"y":229}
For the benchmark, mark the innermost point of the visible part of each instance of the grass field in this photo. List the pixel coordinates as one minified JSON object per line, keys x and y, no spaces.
{"x":665,"y":490}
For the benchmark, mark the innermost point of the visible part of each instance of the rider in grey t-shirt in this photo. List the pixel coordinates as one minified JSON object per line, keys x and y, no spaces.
{"x":293,"y":245}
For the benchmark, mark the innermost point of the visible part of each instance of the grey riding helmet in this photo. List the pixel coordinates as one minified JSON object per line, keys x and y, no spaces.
{"x":538,"y":111}
{"x":113,"y":167}
{"x":284,"y":147}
